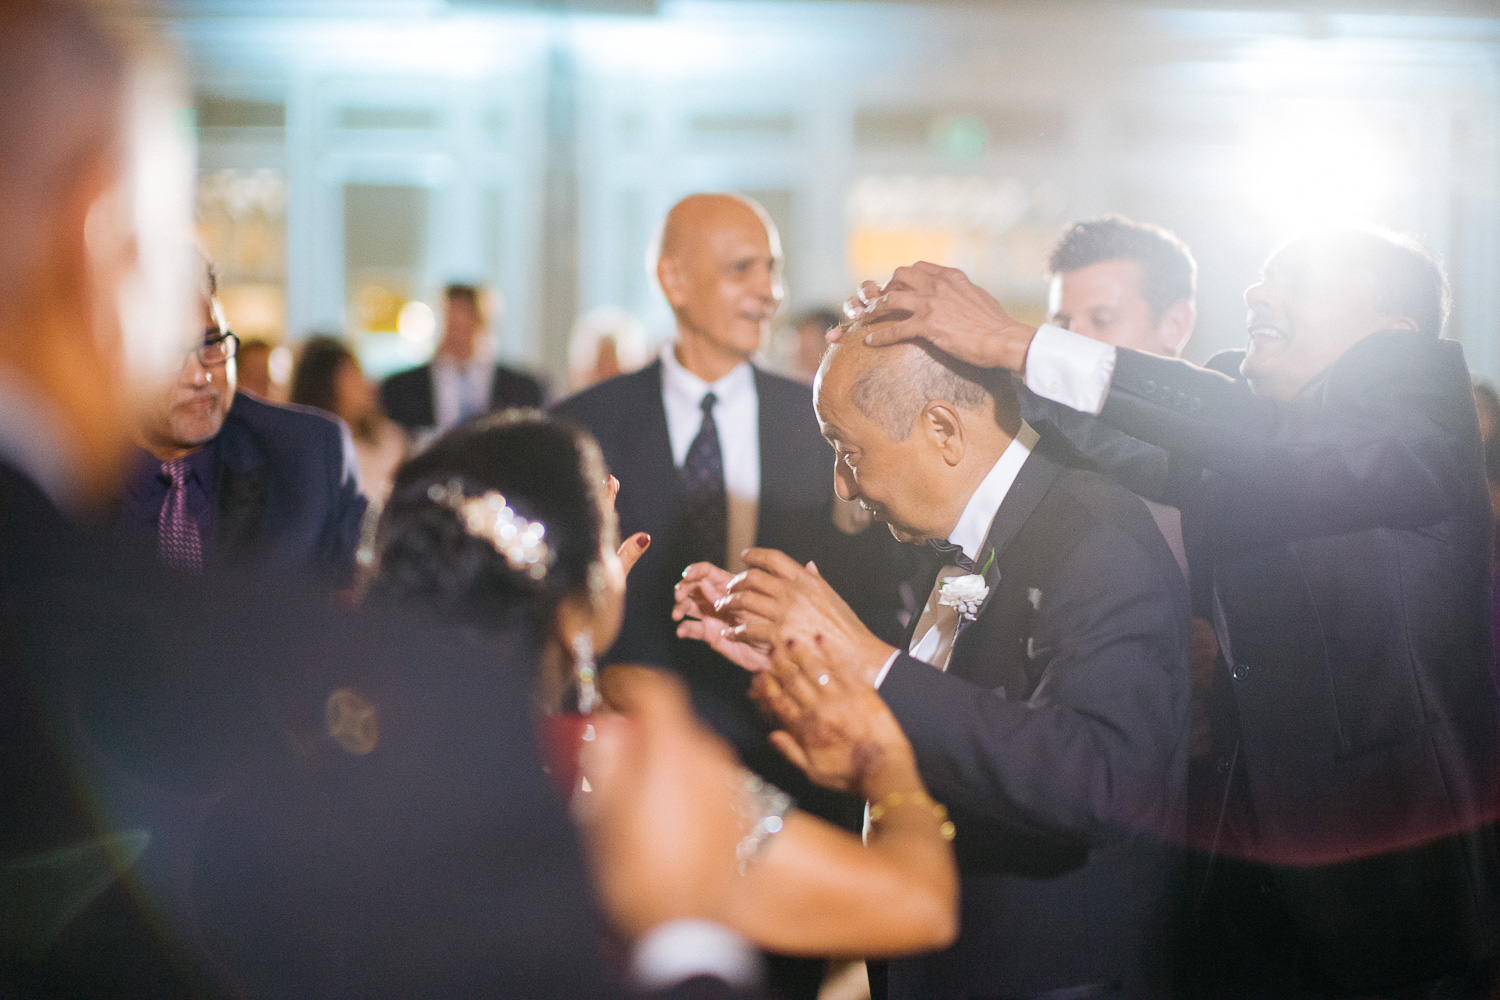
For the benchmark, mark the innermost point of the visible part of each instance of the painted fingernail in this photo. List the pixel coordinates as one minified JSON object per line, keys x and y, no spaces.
{"x":644,"y":541}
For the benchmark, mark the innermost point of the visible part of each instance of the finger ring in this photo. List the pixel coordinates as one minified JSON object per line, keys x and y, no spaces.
{"x":822,"y":679}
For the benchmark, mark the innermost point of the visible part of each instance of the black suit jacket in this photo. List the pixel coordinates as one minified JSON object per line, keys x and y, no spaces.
{"x":1058,"y":740}
{"x":406,"y":396}
{"x":1345,"y":536}
{"x":183,"y":723}
{"x":795,"y":515}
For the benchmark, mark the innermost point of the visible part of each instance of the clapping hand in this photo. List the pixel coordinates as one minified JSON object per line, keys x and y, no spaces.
{"x":835,"y":727}
{"x":700,"y":595}
{"x":943,"y":307}
{"x":776,"y":599}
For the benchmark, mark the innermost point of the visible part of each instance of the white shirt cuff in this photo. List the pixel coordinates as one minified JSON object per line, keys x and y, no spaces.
{"x":681,"y":949}
{"x":1069,"y":368}
{"x":890,"y":661}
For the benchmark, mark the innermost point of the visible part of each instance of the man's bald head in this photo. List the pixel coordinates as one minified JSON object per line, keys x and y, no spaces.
{"x":891,"y":385}
{"x":914,"y":432}
{"x":719,"y":264}
{"x":695,"y":219}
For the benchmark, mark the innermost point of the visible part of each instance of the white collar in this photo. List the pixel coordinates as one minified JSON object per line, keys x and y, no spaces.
{"x":741,"y":378}
{"x":974,"y":525}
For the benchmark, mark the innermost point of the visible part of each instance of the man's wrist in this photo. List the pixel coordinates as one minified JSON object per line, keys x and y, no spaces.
{"x":874,"y":662}
{"x":1018,"y":337}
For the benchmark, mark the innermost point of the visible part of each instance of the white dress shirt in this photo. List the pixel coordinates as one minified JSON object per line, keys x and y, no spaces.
{"x":932,"y":640}
{"x":674,"y":952}
{"x":737,"y":417}
{"x":460,"y":390}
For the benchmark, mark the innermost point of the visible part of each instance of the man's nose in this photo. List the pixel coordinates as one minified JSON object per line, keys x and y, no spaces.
{"x":1255,"y":294}
{"x":194,"y":372}
{"x":843,"y":482}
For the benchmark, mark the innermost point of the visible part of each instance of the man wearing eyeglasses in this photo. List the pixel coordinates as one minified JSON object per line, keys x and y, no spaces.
{"x":225,"y":479}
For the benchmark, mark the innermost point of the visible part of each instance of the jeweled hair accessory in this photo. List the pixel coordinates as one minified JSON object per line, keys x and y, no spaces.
{"x":489,"y":517}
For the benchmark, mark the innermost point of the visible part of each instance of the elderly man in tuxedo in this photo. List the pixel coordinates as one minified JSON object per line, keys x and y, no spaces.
{"x":1337,"y":476}
{"x":1044,"y":686}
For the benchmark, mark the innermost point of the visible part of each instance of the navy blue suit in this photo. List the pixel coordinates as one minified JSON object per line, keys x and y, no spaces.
{"x":1058,"y":739}
{"x":286,"y":497}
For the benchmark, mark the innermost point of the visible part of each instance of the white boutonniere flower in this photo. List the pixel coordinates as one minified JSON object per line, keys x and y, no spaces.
{"x":965,"y":594}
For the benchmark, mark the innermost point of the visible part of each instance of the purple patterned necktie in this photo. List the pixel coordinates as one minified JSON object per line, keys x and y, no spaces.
{"x":703,"y":481}
{"x":177,"y":540}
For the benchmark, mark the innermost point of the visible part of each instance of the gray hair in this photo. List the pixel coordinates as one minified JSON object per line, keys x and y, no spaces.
{"x":893,"y":395}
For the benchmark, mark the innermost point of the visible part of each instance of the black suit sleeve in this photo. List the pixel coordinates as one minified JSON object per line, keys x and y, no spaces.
{"x":1378,"y":443}
{"x":1091,"y":753}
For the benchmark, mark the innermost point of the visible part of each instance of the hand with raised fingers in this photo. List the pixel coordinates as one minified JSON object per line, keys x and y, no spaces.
{"x":776,"y":599}
{"x":835,"y":727}
{"x":942,"y":306}
{"x":636,"y":545}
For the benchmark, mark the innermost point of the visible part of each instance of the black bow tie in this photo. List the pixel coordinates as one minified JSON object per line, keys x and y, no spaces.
{"x":954,"y":554}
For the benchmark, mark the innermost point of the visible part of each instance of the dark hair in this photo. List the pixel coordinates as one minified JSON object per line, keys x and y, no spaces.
{"x":317,"y":367}
{"x":1168,"y":272}
{"x":547,"y":470}
{"x":465,"y":293}
{"x":1409,"y":281}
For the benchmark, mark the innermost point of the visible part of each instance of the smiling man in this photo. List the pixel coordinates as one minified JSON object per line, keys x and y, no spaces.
{"x":221,"y":479}
{"x":1345,"y":531}
{"x":715,"y":455}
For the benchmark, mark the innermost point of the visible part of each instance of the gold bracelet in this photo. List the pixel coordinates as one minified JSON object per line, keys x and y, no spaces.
{"x":896,"y":799}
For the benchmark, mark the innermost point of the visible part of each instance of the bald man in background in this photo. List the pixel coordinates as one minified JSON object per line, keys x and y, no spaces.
{"x":715,"y":455}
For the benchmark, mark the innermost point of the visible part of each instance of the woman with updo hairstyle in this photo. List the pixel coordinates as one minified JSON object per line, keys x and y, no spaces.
{"x":505,"y":526}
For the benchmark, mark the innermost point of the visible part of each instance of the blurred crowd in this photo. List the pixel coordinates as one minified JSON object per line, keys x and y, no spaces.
{"x":1153,"y":679}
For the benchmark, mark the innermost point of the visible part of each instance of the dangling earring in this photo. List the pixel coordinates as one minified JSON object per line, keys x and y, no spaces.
{"x":583,"y":667}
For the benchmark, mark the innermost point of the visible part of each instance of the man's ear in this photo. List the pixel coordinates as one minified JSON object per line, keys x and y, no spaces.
{"x":1176,"y":325}
{"x":673,"y":282}
{"x":940,"y":422}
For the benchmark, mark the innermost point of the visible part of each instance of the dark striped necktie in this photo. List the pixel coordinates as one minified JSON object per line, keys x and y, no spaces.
{"x":703,"y":481}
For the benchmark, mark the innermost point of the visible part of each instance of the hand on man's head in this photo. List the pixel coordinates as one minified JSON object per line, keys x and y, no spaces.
{"x":942,"y":306}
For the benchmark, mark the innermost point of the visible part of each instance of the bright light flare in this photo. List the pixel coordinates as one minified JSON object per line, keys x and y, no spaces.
{"x":1309,"y":166}
{"x":417,"y":322}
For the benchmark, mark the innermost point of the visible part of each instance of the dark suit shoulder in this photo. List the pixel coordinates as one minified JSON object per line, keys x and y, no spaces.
{"x":286,"y":426}
{"x":780,"y":388}
{"x":609,"y":398}
{"x":1090,"y":503}
{"x":512,"y":388}
{"x":1226,"y":362}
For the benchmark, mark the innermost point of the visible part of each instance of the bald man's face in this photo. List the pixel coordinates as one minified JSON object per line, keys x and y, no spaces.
{"x":723,"y":278}
{"x":893,"y":480}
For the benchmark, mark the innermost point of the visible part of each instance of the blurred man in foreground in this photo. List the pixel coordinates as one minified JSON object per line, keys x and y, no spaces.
{"x":129,"y":698}
{"x":1347,"y":527}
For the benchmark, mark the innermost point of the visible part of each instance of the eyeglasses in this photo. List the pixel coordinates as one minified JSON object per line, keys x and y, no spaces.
{"x":218,"y":347}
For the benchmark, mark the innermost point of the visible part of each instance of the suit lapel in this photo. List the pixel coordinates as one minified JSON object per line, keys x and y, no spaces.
{"x":1036,"y":477}
{"x":243,"y":485}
